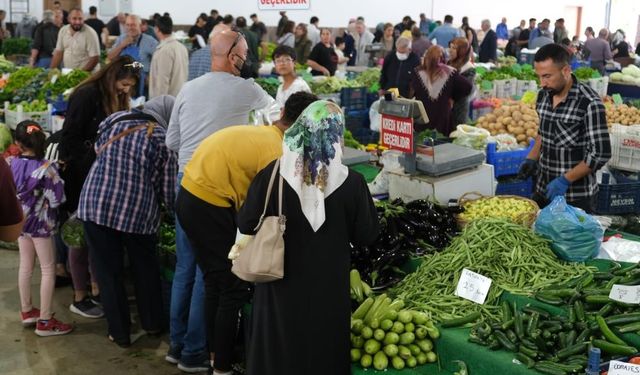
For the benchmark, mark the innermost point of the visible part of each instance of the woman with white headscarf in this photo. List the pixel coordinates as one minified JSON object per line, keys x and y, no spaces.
{"x":300,"y":324}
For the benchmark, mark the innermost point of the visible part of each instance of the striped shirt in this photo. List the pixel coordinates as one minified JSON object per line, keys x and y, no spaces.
{"x":130,"y":178}
{"x":575,"y":131}
{"x":199,"y":63}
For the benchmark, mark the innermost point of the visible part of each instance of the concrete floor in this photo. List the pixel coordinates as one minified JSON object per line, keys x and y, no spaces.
{"x":86,"y":350}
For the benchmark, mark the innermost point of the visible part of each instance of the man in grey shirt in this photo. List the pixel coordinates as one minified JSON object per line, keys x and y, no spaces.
{"x":599,"y":51}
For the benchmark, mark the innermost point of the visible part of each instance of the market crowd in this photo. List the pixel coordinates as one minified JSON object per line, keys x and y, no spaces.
{"x":185,"y":152}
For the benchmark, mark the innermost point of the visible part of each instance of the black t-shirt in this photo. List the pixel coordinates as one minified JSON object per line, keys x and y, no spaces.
{"x":325,"y":56}
{"x":524,"y":35}
{"x":260,"y":29}
{"x":623,"y":49}
{"x":97,"y":25}
{"x":196,"y":30}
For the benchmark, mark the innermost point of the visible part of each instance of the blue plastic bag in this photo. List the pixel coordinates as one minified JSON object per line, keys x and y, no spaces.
{"x":575,"y":236}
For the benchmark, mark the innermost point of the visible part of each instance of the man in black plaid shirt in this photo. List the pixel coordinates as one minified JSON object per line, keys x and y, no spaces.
{"x":573,"y":141}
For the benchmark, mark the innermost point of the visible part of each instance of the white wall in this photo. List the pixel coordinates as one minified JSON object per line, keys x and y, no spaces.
{"x":336,"y":13}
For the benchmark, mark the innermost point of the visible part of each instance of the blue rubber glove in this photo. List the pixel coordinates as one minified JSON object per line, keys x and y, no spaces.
{"x":557,"y":187}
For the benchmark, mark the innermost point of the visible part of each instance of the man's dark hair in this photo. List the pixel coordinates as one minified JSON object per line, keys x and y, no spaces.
{"x":228,"y":19}
{"x":241,"y":22}
{"x":56,"y":2}
{"x":156,"y":16}
{"x":295,"y":105}
{"x":546,"y":20}
{"x":448,"y":19}
{"x":214,"y":11}
{"x":284,"y":51}
{"x":532,"y":20}
{"x":166,"y":14}
{"x":93,"y":10}
{"x":314,"y":19}
{"x":406,"y":18}
{"x":165,"y":25}
{"x":203,"y":17}
{"x":339,"y":40}
{"x":556,"y":52}
{"x":560,"y":20}
{"x":253,"y":16}
{"x":360,"y":18}
{"x":590,"y":29}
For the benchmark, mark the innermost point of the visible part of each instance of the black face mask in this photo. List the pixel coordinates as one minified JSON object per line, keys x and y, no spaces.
{"x":241,"y":65}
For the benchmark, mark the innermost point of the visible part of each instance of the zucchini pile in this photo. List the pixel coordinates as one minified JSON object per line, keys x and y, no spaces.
{"x":384,"y":334}
{"x":559,"y":344}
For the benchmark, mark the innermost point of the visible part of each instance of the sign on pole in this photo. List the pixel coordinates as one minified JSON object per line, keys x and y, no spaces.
{"x":397,"y":133}
{"x":284,"y":4}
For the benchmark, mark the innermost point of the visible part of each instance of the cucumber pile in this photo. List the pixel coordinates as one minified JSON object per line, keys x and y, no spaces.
{"x":383,"y":334}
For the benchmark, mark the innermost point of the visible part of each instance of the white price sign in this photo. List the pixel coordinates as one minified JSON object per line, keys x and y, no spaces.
{"x":473,"y":286}
{"x":625,"y":293}
{"x":621,"y":368}
{"x":284,"y":4}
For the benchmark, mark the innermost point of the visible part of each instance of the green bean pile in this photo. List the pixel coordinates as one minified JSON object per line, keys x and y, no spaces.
{"x":515,"y":258}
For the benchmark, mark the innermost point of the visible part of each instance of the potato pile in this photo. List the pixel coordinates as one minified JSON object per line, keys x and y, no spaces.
{"x":518,"y":119}
{"x":622,"y":114}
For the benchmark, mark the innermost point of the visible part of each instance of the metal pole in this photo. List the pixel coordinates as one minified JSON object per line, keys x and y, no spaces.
{"x":607,"y":14}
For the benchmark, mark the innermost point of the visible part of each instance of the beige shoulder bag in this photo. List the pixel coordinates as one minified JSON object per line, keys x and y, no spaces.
{"x":262,"y":259}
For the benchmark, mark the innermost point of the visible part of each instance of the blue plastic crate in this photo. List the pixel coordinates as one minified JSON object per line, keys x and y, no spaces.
{"x":366,"y":136}
{"x":355,"y":120}
{"x":618,"y":198}
{"x":506,"y":163}
{"x":580,"y":64}
{"x":353,"y":99}
{"x":521,"y":188}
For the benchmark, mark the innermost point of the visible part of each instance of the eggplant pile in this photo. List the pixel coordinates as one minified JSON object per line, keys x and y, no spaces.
{"x":412,"y":229}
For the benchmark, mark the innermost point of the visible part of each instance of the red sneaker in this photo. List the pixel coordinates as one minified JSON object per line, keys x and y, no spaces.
{"x":52,"y":327}
{"x":30,"y":318}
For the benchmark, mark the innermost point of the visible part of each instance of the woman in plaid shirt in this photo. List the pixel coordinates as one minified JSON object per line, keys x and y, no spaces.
{"x":573,"y":141}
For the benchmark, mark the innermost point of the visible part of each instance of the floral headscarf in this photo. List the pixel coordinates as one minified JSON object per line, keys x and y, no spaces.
{"x":311,"y":160}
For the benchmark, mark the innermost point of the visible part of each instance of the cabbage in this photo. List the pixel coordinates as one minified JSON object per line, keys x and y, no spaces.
{"x":631,"y":70}
{"x":617,"y":76}
{"x":5,"y":137}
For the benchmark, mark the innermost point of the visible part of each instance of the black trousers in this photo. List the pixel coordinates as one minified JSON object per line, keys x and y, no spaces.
{"x":106,"y":248}
{"x":212,"y":231}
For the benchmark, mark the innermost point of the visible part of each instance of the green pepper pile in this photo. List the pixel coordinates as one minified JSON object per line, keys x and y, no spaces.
{"x":555,"y":344}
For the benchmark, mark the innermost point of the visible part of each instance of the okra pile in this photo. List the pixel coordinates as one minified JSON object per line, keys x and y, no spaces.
{"x":383,"y":334}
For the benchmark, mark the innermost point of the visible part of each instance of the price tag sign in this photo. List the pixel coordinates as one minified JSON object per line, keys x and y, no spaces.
{"x":625,"y":293}
{"x":617,"y":99}
{"x":473,"y":286}
{"x":621,"y":368}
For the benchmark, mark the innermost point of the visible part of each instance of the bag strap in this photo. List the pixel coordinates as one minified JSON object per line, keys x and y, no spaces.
{"x":276,"y":169}
{"x":149,"y":126}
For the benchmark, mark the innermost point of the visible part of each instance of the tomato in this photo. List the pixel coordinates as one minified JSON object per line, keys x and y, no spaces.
{"x":635,"y":360}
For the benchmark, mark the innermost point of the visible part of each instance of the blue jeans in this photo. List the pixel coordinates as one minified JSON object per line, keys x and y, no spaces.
{"x":43,"y":62}
{"x":187,"y":320}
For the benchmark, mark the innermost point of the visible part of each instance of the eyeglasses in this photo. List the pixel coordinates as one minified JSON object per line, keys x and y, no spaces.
{"x":283,"y":61}
{"x":134,"y":65}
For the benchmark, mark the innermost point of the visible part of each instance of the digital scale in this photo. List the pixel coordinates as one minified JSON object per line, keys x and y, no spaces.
{"x":436,"y":159}
{"x":438,"y":171}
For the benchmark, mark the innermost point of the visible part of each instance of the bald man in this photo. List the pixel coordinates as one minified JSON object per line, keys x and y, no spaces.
{"x":213,"y":101}
{"x":200,"y":60}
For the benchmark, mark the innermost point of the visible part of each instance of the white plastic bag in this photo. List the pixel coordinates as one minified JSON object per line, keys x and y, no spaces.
{"x":505,"y":142}
{"x":374,"y":116}
{"x":471,"y":136}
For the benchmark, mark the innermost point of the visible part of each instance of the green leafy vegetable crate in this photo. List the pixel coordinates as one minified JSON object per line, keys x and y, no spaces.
{"x":14,"y":117}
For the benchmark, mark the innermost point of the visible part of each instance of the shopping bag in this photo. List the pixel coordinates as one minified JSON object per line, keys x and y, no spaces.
{"x":575,"y":236}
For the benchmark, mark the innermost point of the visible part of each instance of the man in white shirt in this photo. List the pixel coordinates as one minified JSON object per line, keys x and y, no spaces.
{"x":78,"y":46}
{"x":313,"y":31}
{"x":363,"y":38}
